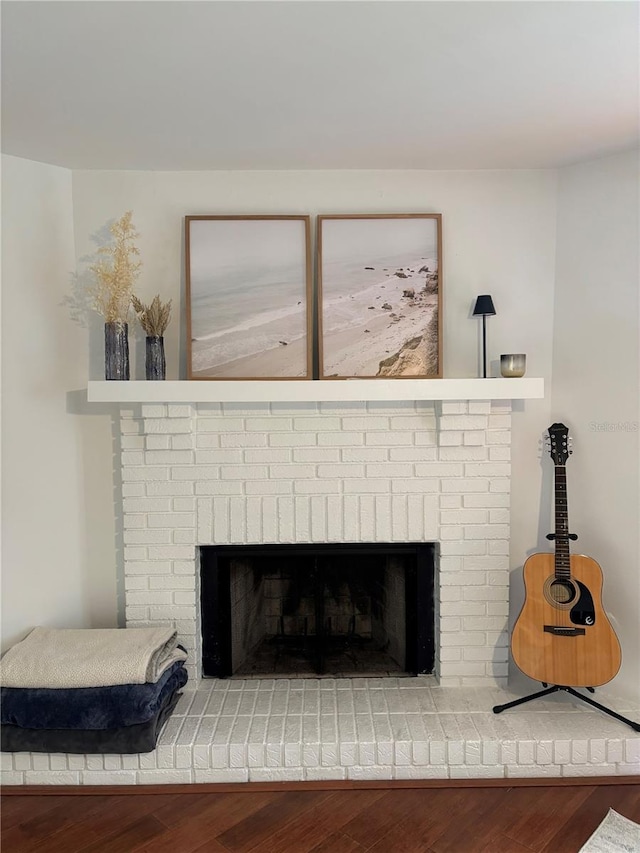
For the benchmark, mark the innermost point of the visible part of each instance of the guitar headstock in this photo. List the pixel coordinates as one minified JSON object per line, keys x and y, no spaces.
{"x":559,"y":443}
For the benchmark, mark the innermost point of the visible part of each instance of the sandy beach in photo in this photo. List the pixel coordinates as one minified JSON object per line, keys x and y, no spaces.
{"x":248,"y":294}
{"x":387,"y":312}
{"x":277,"y":350}
{"x":378,"y":307}
{"x":269,"y":340}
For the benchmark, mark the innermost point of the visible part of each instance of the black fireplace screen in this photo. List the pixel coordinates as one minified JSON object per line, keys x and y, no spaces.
{"x":348,"y":609}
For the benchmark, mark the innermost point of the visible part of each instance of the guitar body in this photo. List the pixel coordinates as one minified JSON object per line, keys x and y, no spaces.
{"x":562,"y":635}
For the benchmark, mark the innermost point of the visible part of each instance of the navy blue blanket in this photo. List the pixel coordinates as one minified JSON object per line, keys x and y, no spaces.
{"x":89,"y":707}
{"x":142,"y":737}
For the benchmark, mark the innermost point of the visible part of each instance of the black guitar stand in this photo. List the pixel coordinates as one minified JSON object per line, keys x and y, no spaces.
{"x":498,"y":709}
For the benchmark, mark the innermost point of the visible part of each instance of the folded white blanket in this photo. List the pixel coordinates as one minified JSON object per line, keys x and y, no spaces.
{"x":90,"y":657}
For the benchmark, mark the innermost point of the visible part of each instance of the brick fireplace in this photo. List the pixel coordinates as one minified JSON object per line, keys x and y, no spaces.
{"x":324,"y":472}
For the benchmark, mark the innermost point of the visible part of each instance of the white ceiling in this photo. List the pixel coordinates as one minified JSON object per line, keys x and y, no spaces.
{"x":319,"y":85}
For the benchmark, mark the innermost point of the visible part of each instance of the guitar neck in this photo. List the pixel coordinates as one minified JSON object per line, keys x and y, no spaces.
{"x":562,"y":561}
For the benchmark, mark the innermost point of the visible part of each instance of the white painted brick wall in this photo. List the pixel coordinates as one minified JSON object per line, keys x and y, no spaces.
{"x":233,"y":474}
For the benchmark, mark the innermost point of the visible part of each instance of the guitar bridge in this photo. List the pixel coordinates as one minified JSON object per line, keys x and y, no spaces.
{"x":563,"y":631}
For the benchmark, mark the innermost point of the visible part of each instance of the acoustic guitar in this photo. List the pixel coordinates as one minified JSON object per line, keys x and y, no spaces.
{"x":562,"y":635}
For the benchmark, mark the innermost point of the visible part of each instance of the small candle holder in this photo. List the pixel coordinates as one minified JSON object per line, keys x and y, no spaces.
{"x":513,"y":365}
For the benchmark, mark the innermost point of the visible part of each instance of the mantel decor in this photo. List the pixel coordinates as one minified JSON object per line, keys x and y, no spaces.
{"x":380,"y":295}
{"x":513,"y":365}
{"x":154,"y":319}
{"x":115,"y":273}
{"x":484,"y":308}
{"x":248,"y":297}
{"x":116,"y":350}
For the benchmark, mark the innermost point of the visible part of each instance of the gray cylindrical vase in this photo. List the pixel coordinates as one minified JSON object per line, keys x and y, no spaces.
{"x":116,"y":351}
{"x":155,"y":361}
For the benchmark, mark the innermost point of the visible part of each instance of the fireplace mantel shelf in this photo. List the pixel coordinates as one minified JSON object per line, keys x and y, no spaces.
{"x":266,"y":391}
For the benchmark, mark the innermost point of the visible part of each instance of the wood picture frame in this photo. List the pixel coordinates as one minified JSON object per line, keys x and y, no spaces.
{"x":248,"y":297}
{"x":380,"y":295}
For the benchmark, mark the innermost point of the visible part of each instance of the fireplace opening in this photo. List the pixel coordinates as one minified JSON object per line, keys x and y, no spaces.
{"x":308,"y":610}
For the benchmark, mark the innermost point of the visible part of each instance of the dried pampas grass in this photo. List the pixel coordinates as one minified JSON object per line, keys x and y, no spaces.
{"x":116,"y":274}
{"x":154,"y":318}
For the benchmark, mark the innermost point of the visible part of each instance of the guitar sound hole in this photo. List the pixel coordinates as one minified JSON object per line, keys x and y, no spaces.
{"x":562,"y":592}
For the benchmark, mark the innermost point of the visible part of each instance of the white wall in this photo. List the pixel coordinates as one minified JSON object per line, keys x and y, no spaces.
{"x":596,"y":389}
{"x":58,"y":560}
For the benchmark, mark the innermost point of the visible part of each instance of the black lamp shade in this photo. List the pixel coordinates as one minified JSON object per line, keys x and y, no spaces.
{"x":484,"y":306}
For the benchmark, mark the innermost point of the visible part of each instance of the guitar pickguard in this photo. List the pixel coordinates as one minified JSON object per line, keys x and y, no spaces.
{"x":583,"y":612}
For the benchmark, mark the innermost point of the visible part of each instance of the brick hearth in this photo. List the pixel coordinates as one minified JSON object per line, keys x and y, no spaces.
{"x":380,"y":728}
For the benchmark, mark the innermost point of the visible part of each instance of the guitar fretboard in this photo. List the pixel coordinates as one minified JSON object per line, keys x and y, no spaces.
{"x":562,"y":562}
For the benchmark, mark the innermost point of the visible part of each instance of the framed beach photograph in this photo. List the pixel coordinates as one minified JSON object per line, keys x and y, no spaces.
{"x":380,"y":295}
{"x":249,"y":302}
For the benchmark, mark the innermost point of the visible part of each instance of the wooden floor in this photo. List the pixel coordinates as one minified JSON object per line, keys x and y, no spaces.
{"x":554,"y":819}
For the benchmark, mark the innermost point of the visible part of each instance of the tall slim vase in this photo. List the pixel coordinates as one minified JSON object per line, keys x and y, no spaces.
{"x":155,"y":361}
{"x":116,"y":351}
